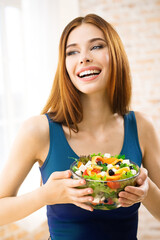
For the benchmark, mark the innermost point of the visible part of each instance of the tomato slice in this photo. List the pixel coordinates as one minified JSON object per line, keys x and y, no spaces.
{"x":85,"y":173}
{"x":113,"y":185}
{"x":110,"y":201}
{"x":95,"y":159}
{"x":96,"y":170}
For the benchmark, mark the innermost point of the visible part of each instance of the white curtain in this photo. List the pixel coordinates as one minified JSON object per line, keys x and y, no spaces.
{"x":29,"y":38}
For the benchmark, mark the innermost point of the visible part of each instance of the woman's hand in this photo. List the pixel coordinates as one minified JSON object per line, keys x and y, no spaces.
{"x":133,"y":195}
{"x":61,"y":188}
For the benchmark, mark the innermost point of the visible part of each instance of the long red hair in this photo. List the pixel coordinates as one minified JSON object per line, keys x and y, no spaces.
{"x":64,"y":104}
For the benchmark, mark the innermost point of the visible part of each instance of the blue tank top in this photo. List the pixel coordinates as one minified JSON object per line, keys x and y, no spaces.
{"x":69,"y":222}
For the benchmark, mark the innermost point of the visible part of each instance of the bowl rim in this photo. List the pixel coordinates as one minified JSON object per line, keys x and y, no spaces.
{"x":101,"y":181}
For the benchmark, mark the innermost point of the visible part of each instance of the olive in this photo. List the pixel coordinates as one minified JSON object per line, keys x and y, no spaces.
{"x":131,"y":167}
{"x":99,"y":163}
{"x":105,"y":164}
{"x":106,"y":200}
{"x":118,"y":163}
{"x":111,"y":172}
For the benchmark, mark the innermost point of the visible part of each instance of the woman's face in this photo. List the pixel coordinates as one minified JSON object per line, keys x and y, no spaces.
{"x":87,"y":59}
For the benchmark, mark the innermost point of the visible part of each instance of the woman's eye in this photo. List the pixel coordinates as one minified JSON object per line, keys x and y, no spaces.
{"x":71,"y":53}
{"x":97,"y":47}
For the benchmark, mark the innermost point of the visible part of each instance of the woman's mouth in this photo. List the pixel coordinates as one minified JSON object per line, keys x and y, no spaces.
{"x":89,"y":73}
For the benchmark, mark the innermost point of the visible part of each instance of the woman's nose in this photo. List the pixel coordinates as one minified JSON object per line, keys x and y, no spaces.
{"x":85,"y":59}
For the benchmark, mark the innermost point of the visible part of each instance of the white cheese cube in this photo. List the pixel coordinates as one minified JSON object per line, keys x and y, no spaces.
{"x":88,"y":163}
{"x":109,"y":165}
{"x":96,"y":200}
{"x":133,"y":171}
{"x":78,"y":172}
{"x":107,"y":155}
{"x":126,"y":161}
{"x":102,"y":199}
{"x":82,"y":167}
{"x":103,"y":173}
{"x":76,"y":176}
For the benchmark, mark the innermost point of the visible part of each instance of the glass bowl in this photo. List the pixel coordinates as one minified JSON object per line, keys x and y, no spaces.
{"x":105,"y":193}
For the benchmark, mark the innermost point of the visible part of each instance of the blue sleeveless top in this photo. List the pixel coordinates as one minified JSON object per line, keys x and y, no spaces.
{"x":69,"y":222}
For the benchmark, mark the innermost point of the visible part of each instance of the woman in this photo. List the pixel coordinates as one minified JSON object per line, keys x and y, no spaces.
{"x":87,"y":112}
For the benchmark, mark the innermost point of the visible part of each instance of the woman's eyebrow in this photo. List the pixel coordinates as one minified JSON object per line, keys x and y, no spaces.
{"x":90,"y":41}
{"x":97,"y":39}
{"x":71,"y":45}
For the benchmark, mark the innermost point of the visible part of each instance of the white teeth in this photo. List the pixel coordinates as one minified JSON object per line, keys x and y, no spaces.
{"x":88,"y":72}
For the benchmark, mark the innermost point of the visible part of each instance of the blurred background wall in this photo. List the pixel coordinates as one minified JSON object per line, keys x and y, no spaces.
{"x":29,"y":36}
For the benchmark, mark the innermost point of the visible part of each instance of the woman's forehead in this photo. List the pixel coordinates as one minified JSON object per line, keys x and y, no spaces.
{"x":84,"y":32}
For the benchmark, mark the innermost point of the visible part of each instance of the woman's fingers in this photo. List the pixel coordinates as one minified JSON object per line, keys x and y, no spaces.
{"x":130,"y":197}
{"x":83,"y":199}
{"x":132,"y":194}
{"x":142,"y":176}
{"x":61,"y":175}
{"x":80,"y":192}
{"x":79,"y":196}
{"x":136,"y":191}
{"x":61,"y":188}
{"x":73,"y":183}
{"x":84,"y":206}
{"x":68,"y":181}
{"x":71,"y":193}
{"x":125,"y":202}
{"x":126,"y":199}
{"x":140,"y":191}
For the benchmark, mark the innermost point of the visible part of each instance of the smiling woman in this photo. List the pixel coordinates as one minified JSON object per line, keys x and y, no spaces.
{"x":88,"y":111}
{"x":87,"y":59}
{"x":101,"y":41}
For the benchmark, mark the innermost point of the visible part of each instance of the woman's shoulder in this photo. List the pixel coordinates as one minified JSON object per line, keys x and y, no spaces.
{"x":144,"y":120}
{"x":36,"y":132}
{"x":35,"y":125}
{"x":147,"y":131}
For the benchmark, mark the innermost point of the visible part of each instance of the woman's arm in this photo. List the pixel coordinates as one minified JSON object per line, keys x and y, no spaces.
{"x":15,"y":208}
{"x":149,"y":190}
{"x":60,"y":188}
{"x":152,"y":201}
{"x":151,"y":162}
{"x":22,"y":157}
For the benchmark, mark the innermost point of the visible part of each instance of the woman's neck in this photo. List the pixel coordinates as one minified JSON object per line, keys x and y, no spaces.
{"x":96,"y":113}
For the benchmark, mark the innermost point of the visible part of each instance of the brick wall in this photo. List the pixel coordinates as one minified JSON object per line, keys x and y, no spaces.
{"x":138,"y":24}
{"x":13,"y":231}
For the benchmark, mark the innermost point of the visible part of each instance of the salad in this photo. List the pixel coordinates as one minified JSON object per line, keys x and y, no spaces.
{"x":107,"y":175}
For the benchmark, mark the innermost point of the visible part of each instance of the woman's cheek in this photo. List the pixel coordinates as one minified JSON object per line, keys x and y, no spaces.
{"x":70,"y":67}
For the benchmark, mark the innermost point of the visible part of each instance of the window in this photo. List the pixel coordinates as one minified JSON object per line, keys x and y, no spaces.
{"x":12,"y":81}
{"x":29,"y":37}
